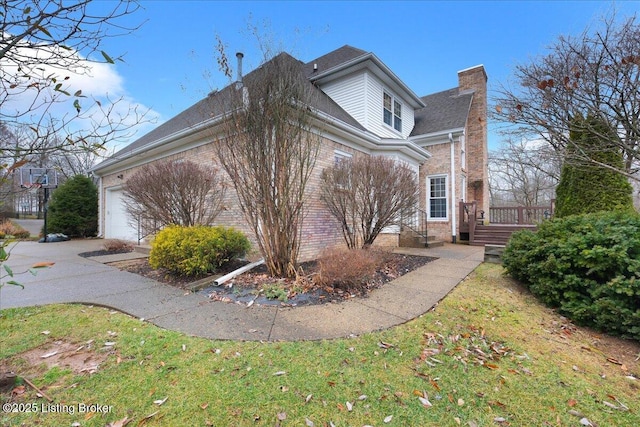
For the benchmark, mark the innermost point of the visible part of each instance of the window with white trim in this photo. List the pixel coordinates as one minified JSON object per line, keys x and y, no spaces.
{"x":338,"y":158}
{"x":392,"y":112}
{"x":437,"y":197}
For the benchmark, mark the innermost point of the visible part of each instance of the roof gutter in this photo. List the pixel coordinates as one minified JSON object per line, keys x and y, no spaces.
{"x":436,"y":137}
{"x":104,"y":166}
{"x":370,"y":141}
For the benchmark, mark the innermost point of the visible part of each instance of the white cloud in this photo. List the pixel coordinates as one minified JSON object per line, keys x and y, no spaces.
{"x":100,"y":86}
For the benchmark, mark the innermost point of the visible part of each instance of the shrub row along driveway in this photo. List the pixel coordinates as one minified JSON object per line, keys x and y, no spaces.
{"x":74,"y":279}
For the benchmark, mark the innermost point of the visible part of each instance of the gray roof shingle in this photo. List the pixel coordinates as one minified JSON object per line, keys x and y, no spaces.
{"x":443,"y":111}
{"x":218,"y":102}
{"x":339,"y":56}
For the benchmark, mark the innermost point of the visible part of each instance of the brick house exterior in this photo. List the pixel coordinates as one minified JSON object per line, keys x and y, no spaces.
{"x":367,"y":110}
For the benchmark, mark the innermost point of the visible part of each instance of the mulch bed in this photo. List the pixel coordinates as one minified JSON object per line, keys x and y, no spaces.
{"x":253,"y":287}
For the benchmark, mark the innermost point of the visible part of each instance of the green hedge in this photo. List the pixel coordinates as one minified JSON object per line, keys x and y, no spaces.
{"x":196,"y":250}
{"x":587,"y":266}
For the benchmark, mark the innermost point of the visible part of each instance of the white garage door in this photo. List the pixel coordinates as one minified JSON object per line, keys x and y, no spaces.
{"x":117,"y":224}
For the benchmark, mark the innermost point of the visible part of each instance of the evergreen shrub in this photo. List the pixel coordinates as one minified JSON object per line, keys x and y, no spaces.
{"x":587,"y":266}
{"x":196,"y":250}
{"x":73,"y":209}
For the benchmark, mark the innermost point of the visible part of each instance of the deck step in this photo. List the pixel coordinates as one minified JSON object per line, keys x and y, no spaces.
{"x":497,"y":234}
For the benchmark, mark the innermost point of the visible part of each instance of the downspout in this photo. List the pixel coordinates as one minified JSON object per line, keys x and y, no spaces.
{"x":102,"y":212}
{"x":453,"y":191}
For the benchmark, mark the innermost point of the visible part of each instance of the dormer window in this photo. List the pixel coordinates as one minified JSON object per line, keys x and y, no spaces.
{"x":392,"y":112}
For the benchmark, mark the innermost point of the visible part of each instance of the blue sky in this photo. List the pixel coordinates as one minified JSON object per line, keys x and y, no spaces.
{"x":170,"y":61}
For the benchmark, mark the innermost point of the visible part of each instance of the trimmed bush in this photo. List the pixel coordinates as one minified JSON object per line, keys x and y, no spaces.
{"x":588,"y":188}
{"x":196,"y":250}
{"x":348,"y":269}
{"x":586,"y":266}
{"x":8,"y":228}
{"x":73,"y":209}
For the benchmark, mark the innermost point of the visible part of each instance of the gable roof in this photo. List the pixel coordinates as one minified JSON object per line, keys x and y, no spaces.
{"x":216,"y":104}
{"x":442,"y":111}
{"x":348,"y":59}
{"x":446,"y":110}
{"x":332,"y":59}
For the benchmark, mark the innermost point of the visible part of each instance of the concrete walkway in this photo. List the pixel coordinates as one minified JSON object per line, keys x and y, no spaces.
{"x":74,"y":279}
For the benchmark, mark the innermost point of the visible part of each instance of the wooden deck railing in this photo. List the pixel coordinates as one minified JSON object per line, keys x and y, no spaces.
{"x":520,"y":214}
{"x":470,"y":217}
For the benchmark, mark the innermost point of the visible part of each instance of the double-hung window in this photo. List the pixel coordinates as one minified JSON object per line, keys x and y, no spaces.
{"x":437,"y":197}
{"x":340,"y":158}
{"x":392,"y":112}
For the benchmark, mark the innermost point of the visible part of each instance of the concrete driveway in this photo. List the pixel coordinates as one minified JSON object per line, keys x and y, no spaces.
{"x":74,"y":279}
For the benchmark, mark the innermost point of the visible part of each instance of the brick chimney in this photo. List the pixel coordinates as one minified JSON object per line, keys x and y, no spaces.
{"x":474,"y":80}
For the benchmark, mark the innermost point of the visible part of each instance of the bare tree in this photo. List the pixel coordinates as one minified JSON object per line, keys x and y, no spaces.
{"x":367,"y":194}
{"x":523,"y":173}
{"x":174,"y":192}
{"x":45,"y":47}
{"x":596,"y":74}
{"x":269,"y":146}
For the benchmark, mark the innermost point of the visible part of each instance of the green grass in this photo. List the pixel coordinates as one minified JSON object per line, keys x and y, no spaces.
{"x":542,"y":373}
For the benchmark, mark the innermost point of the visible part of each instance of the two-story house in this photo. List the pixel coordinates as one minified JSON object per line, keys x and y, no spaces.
{"x":370,"y":111}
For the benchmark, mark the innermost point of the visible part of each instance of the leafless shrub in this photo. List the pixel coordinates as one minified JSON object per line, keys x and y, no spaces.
{"x":117,"y":245}
{"x":175,"y":192}
{"x":367,"y":194}
{"x":347,"y":269}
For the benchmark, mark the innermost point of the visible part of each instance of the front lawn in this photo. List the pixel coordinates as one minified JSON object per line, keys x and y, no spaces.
{"x":488,"y":355}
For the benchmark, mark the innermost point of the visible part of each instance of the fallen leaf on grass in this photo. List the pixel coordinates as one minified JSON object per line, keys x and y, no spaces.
{"x":425,"y":401}
{"x":349,"y":406}
{"x":308,"y":422}
{"x":160,"y":401}
{"x":120,"y":423}
{"x":388,"y":419}
{"x":147,"y":418}
{"x":282,"y":416}
{"x":385,"y":345}
{"x":279,"y":373}
{"x":204,"y":406}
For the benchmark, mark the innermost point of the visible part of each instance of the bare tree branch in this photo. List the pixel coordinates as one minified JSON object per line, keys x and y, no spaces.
{"x":44,"y":46}
{"x":596,"y":74}
{"x":269,"y":147}
{"x":366,"y":195}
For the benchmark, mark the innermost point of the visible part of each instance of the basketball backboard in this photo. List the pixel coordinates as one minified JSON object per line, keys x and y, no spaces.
{"x":38,"y":177}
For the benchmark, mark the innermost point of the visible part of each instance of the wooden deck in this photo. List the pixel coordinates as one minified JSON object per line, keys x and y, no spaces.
{"x":502,"y":222}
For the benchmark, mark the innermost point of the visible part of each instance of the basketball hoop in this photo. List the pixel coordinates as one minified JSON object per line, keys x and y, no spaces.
{"x":32,"y":186}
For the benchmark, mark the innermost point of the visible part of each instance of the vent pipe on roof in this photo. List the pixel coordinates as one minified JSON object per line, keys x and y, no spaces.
{"x":315,"y":67}
{"x":239,"y":56}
